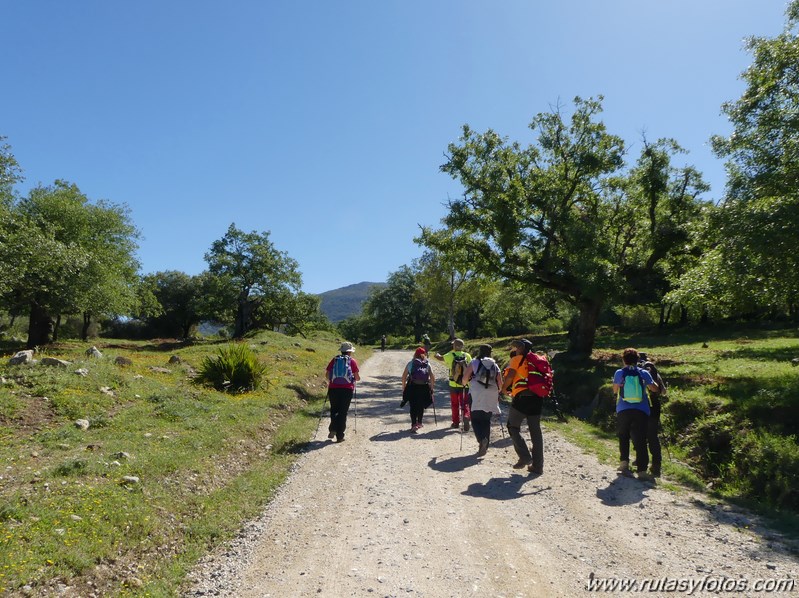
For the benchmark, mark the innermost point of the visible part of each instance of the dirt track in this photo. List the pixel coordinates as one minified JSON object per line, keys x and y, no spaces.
{"x":387,"y":513}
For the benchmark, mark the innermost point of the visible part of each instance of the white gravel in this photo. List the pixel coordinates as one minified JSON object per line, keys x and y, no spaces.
{"x":387,"y":513}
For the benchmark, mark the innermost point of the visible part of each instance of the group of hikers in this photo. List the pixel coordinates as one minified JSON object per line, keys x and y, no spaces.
{"x":476,"y":384}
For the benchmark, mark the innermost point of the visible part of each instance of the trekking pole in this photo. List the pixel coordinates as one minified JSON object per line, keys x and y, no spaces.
{"x":433,"y":400}
{"x":501,"y":427}
{"x":355,"y":402}
{"x":463,"y":421}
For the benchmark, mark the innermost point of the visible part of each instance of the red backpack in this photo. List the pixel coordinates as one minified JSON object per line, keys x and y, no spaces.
{"x":539,"y":374}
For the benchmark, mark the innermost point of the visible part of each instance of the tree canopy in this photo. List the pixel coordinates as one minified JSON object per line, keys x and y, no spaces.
{"x":563,"y":214}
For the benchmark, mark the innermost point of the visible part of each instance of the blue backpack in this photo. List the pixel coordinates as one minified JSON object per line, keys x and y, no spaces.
{"x":633,"y":389}
{"x":341,"y":372}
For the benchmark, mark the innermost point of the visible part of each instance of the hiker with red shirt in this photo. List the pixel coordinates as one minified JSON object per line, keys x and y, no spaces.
{"x":418,"y":381}
{"x":341,"y":374}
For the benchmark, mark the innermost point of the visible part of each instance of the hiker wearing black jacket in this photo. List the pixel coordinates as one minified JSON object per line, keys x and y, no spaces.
{"x":656,"y":400}
{"x":418,"y":381}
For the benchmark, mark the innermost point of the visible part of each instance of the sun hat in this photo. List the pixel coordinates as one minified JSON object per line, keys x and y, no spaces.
{"x":457,"y":341}
{"x":346,"y":348}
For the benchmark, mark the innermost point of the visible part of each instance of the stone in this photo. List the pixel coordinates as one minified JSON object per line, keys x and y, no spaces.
{"x":175,"y":360}
{"x":82,"y":372}
{"x":130,"y":479}
{"x":52,"y":361}
{"x":93,"y":352}
{"x":21,"y":357}
{"x":158,"y":370}
{"x":82,"y":424}
{"x":120,"y":360}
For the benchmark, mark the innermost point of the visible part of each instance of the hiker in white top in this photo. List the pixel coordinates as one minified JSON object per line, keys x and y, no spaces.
{"x":485,"y":381}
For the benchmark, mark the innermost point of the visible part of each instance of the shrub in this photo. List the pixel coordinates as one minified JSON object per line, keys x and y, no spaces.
{"x":766,"y":467}
{"x":711,"y":442}
{"x":236,"y":368}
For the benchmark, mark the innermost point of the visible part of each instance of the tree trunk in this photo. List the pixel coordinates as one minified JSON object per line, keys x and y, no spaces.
{"x":87,"y":321}
{"x":683,"y":315}
{"x":40,"y":327}
{"x":243,"y":314}
{"x":451,"y":314}
{"x":582,"y":337}
{"x":56,"y":327}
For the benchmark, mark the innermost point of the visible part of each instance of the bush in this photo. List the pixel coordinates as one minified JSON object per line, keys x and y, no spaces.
{"x":236,"y":368}
{"x":711,"y":442}
{"x":766,"y":467}
{"x":638,"y":317}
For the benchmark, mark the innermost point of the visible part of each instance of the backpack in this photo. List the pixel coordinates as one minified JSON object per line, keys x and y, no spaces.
{"x":632,"y":386}
{"x":458,"y":369}
{"x":341,"y":372}
{"x":489,"y":373}
{"x":539,"y":374}
{"x":420,"y":372}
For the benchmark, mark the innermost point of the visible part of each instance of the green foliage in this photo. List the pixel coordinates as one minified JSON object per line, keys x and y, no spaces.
{"x":766,"y":467}
{"x":752,"y":265}
{"x":71,"y":256}
{"x":251,"y":274}
{"x":235,"y":368}
{"x":563,"y":215}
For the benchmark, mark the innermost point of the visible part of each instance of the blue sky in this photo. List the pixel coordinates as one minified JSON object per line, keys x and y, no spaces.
{"x":325,"y":122}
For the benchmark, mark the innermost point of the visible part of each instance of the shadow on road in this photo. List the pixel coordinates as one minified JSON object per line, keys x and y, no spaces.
{"x":622,"y":491}
{"x":503,"y":488}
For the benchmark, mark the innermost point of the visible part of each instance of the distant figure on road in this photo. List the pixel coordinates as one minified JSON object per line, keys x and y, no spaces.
{"x":426,"y":342}
{"x":341,"y":374}
{"x":630,"y":384}
{"x":418,"y":381}
{"x":485,"y":382}
{"x":383,"y":343}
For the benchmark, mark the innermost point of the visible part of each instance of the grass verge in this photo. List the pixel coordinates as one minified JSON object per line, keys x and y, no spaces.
{"x":167,"y":469}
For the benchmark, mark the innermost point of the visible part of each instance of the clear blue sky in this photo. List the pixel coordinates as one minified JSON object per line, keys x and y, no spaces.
{"x":325,"y":122}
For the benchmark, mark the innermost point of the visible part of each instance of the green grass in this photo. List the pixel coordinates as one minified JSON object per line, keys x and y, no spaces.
{"x":206,"y":460}
{"x":732,"y":418}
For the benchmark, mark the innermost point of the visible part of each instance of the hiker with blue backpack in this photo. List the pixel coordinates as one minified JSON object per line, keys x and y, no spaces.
{"x":485,"y":383}
{"x":630,"y":384}
{"x":341,"y":374}
{"x":418,"y":381}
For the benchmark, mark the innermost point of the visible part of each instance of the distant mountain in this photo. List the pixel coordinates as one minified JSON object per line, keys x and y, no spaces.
{"x":342,"y":303}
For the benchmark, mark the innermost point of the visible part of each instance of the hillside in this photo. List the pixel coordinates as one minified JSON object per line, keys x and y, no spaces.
{"x":342,"y":303}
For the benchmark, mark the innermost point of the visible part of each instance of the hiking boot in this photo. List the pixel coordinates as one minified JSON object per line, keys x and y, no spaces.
{"x":536,"y":470}
{"x":339,"y":439}
{"x":483,"y":447}
{"x":332,"y":435}
{"x":414,"y":430}
{"x":521,"y":464}
{"x":466,"y":425}
{"x":454,"y":425}
{"x":645,"y":476}
{"x":624,"y":468}
{"x":656,"y":472}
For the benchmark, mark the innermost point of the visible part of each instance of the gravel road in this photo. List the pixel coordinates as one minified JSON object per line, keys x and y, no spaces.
{"x":387,"y":513}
